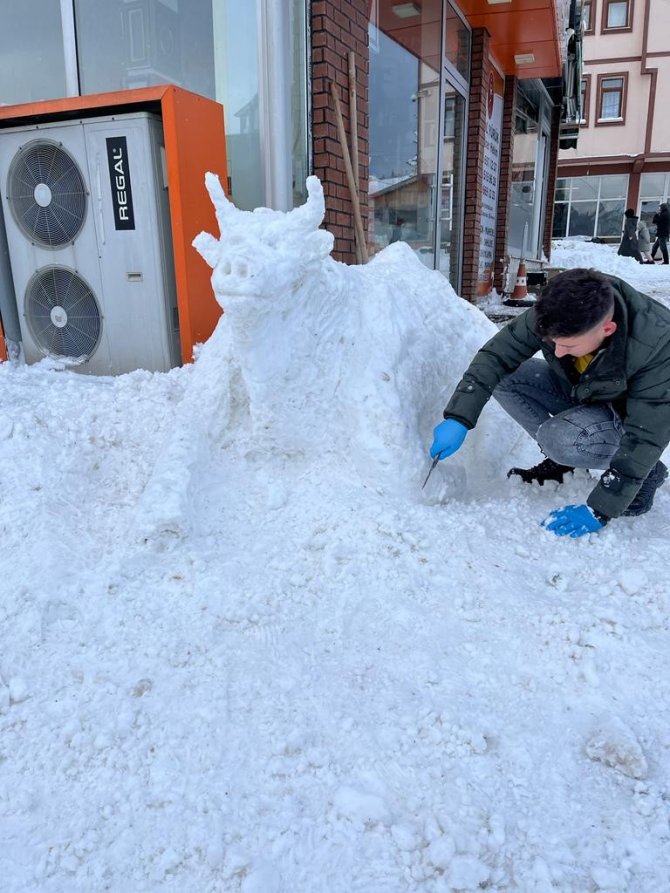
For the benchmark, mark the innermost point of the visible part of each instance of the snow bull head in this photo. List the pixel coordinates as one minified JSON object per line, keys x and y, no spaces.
{"x":263,"y":253}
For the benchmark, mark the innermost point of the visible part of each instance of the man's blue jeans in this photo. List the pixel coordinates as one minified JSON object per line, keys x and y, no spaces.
{"x":576,"y":434}
{"x":662,"y":243}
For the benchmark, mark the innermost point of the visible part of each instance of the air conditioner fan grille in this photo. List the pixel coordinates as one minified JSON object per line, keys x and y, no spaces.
{"x":63,"y":314}
{"x":47,"y":194}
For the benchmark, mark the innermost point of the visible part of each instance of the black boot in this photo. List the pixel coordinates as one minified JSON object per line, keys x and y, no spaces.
{"x":645,"y":495}
{"x":545,"y":471}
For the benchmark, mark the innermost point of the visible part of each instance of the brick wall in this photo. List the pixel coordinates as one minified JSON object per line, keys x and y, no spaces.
{"x":476,"y":140}
{"x":339,"y":26}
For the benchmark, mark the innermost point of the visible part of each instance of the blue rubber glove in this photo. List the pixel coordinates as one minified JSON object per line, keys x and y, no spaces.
{"x":574,"y":521}
{"x":447,"y":438}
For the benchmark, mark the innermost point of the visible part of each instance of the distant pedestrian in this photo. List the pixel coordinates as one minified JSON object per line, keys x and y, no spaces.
{"x":644,"y":242}
{"x":629,"y":246}
{"x":662,"y":221}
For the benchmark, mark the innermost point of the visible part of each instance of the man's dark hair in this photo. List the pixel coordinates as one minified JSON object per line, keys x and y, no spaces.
{"x":572,"y":303}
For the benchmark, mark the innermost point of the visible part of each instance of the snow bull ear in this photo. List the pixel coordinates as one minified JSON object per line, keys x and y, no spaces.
{"x":224,"y":208}
{"x":310,"y":215}
{"x":208,"y":247}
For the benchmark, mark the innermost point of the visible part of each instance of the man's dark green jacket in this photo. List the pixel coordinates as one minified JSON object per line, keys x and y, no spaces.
{"x":631,"y":371}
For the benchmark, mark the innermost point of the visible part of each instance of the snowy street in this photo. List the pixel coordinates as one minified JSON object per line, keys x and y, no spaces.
{"x":242,"y":650}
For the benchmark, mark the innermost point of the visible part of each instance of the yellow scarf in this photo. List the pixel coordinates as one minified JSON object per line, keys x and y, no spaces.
{"x":581,"y":363}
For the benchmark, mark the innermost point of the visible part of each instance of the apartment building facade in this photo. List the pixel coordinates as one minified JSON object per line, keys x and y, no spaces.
{"x":622,"y":157}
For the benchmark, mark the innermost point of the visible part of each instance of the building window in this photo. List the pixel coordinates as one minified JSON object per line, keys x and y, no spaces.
{"x":612,"y":98}
{"x":588,"y":16}
{"x":617,"y":15}
{"x":585,"y":91}
{"x":590,"y":206}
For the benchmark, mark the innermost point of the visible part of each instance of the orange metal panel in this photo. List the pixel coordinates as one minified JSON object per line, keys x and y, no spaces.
{"x":193,"y":127}
{"x":64,"y":108}
{"x":195,"y":143}
{"x":3,"y":349}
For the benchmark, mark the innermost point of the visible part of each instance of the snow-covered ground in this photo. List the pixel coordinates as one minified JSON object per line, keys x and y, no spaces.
{"x":242,"y":650}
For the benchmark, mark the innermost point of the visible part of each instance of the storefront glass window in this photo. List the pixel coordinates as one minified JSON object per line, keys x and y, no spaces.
{"x":526,"y":130}
{"x":404,"y":91}
{"x":450,"y":246}
{"x":417,"y":130}
{"x":300,"y":157}
{"x":613,"y":186}
{"x":32,"y":59}
{"x":237,"y":87}
{"x":585,"y":188}
{"x":209,"y":47}
{"x":590,"y":206}
{"x":139,"y":43}
{"x":610,"y":214}
{"x":562,"y":190}
{"x":560,"y":220}
{"x":582,"y":219}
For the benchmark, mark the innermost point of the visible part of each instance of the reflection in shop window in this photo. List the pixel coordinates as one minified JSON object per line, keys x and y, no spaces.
{"x":526,"y":131}
{"x":609,"y":220}
{"x":209,"y":47}
{"x":449,"y":117}
{"x":457,"y":42}
{"x":123,"y":44}
{"x":32,"y":56}
{"x":404,"y":91}
{"x":416,"y":52}
{"x":582,"y":219}
{"x":450,"y":209}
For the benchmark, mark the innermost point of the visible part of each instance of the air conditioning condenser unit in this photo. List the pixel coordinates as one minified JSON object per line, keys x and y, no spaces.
{"x":88,"y":230}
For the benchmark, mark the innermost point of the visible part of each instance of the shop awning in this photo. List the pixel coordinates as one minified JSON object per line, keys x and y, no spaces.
{"x":524,"y":34}
{"x":526,"y":40}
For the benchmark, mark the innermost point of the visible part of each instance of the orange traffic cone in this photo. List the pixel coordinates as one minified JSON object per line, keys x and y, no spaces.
{"x":521,"y":285}
{"x":519,"y":297}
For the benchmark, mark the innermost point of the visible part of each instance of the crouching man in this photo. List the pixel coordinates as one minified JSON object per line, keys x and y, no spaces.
{"x":599,"y":398}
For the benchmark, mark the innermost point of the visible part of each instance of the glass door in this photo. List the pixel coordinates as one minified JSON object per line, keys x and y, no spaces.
{"x":450,"y":228}
{"x":419,"y":70}
{"x":455,"y":77}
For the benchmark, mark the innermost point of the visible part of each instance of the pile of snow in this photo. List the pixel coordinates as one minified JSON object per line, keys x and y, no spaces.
{"x":652,"y":279}
{"x":244,"y":651}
